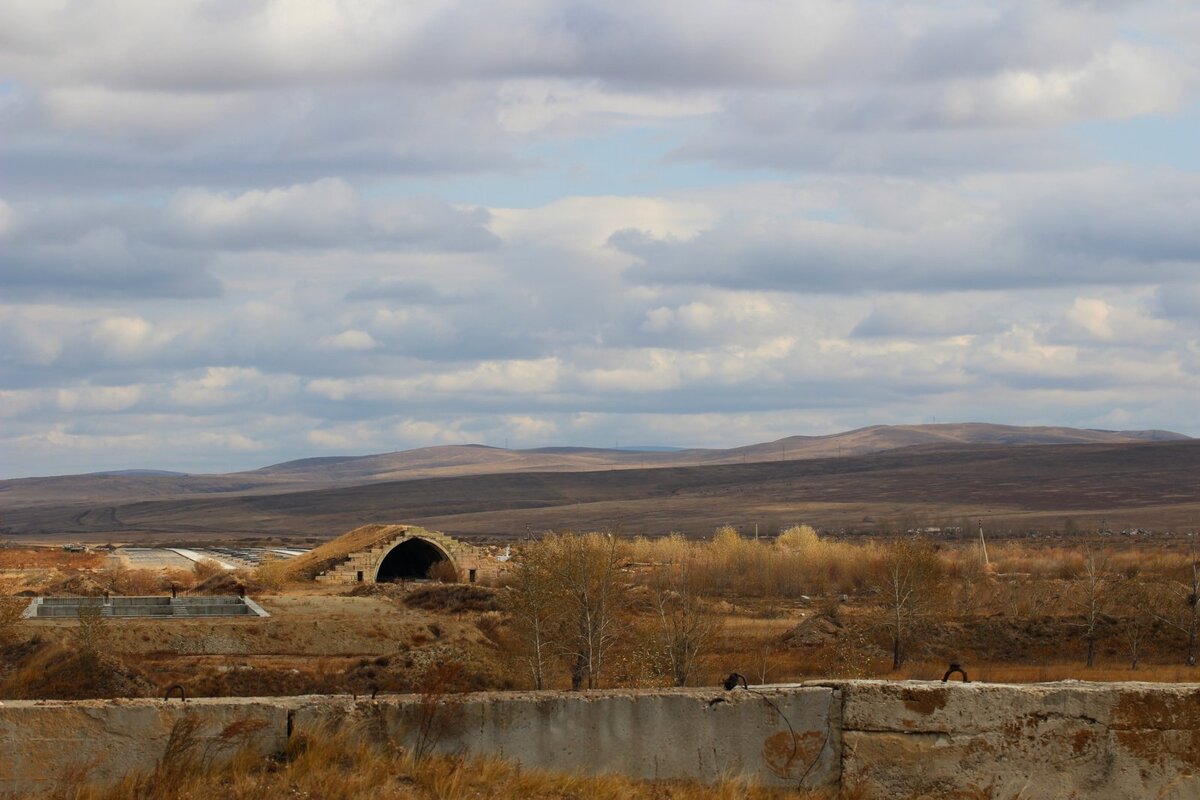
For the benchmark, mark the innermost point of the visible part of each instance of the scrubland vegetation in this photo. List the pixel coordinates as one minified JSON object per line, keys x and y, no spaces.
{"x":334,"y":767}
{"x":599,"y":610}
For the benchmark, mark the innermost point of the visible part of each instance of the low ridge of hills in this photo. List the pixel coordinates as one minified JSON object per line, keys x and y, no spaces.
{"x":473,"y":459}
{"x":1118,"y":485}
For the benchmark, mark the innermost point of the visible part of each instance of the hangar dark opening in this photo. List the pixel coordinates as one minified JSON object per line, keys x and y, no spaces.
{"x":409,"y":559}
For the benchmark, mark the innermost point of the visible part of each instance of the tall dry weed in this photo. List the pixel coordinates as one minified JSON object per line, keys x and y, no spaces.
{"x":337,"y":766}
{"x":11,"y":611}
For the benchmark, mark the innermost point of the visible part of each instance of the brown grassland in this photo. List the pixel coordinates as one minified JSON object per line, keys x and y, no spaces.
{"x":667,"y":611}
{"x":688,"y":611}
{"x":332,"y":767}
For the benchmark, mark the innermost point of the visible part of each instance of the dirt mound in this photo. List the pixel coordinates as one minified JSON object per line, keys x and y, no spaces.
{"x":335,"y":551}
{"x":43,"y":670}
{"x":453,"y":598}
{"x":816,"y":631}
{"x":77,"y":586}
{"x":393,"y":590}
{"x":227,"y":583}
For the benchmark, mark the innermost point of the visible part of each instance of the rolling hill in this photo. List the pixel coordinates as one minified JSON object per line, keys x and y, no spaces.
{"x":1144,"y":484}
{"x":460,"y":460}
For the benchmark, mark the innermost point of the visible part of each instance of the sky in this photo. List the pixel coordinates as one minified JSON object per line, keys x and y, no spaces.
{"x":236,"y":232}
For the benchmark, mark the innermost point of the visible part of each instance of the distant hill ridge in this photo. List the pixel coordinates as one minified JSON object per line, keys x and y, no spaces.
{"x":476,"y":459}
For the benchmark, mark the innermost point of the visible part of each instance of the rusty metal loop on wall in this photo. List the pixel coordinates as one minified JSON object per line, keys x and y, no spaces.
{"x":953,"y":669}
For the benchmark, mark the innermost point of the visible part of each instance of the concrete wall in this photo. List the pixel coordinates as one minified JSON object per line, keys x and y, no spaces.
{"x":883,"y":739}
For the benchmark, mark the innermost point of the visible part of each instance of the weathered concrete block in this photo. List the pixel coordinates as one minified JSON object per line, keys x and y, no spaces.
{"x":884,"y":739}
{"x":1063,"y":740}
{"x":42,"y":742}
{"x":699,"y":734}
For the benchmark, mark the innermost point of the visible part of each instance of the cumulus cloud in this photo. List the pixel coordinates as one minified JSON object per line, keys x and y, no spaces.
{"x":350,"y":340}
{"x":240,"y":231}
{"x":284,"y":89}
{"x":927,"y":317}
{"x":104,"y":261}
{"x":1006,"y":233}
{"x":1094,"y":320}
{"x":328,"y":212}
{"x":321,"y":212}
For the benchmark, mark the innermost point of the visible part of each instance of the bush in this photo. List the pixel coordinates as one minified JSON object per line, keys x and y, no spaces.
{"x":271,"y":573}
{"x":54,"y":671}
{"x":228,"y":582}
{"x":443,"y":572}
{"x":798,"y":563}
{"x":11,"y":609}
{"x":206,"y":568}
{"x":139,"y":582}
{"x":454,"y":598}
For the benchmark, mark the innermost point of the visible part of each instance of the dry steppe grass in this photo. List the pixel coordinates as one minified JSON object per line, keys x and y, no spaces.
{"x":801,"y":606}
{"x":331,"y":767}
{"x":324,"y":556}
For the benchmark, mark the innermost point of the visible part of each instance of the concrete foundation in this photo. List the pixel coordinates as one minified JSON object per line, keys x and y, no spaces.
{"x":876,"y":739}
{"x":186,"y":606}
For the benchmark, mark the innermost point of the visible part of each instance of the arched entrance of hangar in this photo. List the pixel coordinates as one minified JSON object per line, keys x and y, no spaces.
{"x":411,"y":558}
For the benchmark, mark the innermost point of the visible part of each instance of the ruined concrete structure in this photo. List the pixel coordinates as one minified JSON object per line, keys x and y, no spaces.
{"x":409,"y":554}
{"x":158,"y":607}
{"x":882,"y":739}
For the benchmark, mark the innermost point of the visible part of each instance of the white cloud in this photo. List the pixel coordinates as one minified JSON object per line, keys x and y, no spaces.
{"x":1094,"y":320}
{"x":349,"y":340}
{"x":156,"y":113}
{"x":232,"y":386}
{"x":124,"y":338}
{"x":98,"y":398}
{"x":269,"y":227}
{"x":327,"y":210}
{"x":487,"y":377}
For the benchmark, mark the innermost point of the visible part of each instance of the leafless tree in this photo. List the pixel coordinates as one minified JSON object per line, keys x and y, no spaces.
{"x":910,"y":587}
{"x":1135,"y":598}
{"x":91,"y":634}
{"x":686,"y":630}
{"x":534,"y":610}
{"x":1178,"y":603}
{"x":591,"y":591}
{"x":1091,"y":597}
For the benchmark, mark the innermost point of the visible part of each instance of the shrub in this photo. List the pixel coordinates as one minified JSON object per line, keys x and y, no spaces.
{"x":443,"y":572}
{"x":271,"y":573}
{"x":11,"y":609}
{"x":206,"y":568}
{"x":453,"y":599}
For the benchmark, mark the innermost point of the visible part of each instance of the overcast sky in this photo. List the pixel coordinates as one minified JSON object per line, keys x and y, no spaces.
{"x":235,"y":232}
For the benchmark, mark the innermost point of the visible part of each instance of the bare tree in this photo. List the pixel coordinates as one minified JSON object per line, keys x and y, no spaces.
{"x":972,"y":582}
{"x":534,"y":609}
{"x":90,"y":634}
{"x":1178,"y":603}
{"x":910,"y":587}
{"x":685,"y":630}
{"x":1091,"y":597}
{"x":1134,"y":596}
{"x":592,"y":594}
